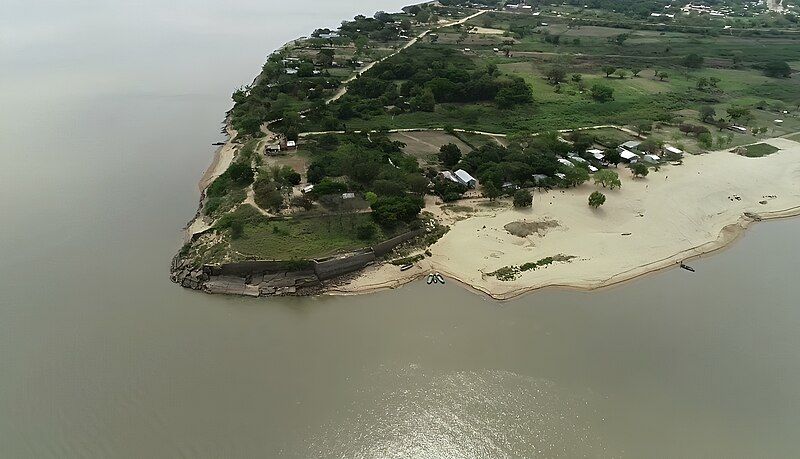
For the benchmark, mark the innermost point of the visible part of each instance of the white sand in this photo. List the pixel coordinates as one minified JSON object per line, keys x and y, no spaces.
{"x":676,"y":213}
{"x":222,"y":160}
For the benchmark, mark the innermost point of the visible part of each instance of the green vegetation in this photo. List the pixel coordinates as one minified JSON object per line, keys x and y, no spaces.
{"x":523,"y":198}
{"x":685,"y":81}
{"x":510,"y":273}
{"x":639,"y":170}
{"x":299,"y":238}
{"x":596,"y":199}
{"x":607,"y":178}
{"x":759,"y":149}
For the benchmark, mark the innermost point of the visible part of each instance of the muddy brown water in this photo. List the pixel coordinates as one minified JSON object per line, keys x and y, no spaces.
{"x":108,"y":116}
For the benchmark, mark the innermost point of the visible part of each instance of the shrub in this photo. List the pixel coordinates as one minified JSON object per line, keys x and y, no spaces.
{"x":602,"y":93}
{"x":639,"y":170}
{"x":389,"y":211}
{"x":523,"y":198}
{"x":237,"y":229}
{"x":597,"y":199}
{"x":365,"y":231}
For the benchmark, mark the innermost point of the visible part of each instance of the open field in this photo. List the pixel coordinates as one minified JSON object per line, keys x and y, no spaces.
{"x":303,"y":238}
{"x":760,"y":149}
{"x":425,"y":145}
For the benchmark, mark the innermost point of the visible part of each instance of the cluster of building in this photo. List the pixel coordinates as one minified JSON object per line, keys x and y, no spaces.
{"x":460,"y":176}
{"x":705,"y":9}
{"x":629,"y":152}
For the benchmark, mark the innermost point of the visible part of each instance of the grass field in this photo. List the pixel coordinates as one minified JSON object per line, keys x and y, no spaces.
{"x":304,"y":238}
{"x":759,"y":149}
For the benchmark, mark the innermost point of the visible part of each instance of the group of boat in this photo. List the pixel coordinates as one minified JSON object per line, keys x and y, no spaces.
{"x":435,"y":278}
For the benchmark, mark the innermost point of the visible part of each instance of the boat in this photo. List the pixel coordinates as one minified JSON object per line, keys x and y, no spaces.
{"x":687,"y":267}
{"x":218,"y":144}
{"x":406,"y":267}
{"x":431,"y":279}
{"x":439,"y":277}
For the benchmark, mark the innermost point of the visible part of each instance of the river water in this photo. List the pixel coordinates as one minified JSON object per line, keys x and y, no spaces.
{"x":108,"y":112}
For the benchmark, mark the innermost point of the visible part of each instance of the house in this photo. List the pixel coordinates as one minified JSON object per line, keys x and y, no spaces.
{"x":272,"y":149}
{"x":577,"y":159}
{"x":598,"y":154}
{"x":630,"y":145}
{"x":628,"y":155}
{"x":566,"y":162}
{"x":465,"y":179}
{"x":307,"y":189}
{"x":653,"y":159}
{"x":508,"y":186}
{"x":348,"y":195}
{"x":592,"y":169}
{"x":449,"y":176}
{"x":561,"y":176}
{"x":673,"y":150}
{"x":291,"y":144}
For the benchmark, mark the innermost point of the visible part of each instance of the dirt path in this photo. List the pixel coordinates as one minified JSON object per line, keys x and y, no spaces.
{"x":489,"y":134}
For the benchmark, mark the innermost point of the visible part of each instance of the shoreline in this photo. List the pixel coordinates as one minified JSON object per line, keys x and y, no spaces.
{"x":670,"y":232}
{"x":729,"y":235}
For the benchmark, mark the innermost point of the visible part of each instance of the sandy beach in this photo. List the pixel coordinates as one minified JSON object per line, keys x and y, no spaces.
{"x":652,"y":223}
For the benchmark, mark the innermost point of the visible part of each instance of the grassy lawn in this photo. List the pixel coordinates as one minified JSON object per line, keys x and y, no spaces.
{"x":304,"y":238}
{"x":759,"y":149}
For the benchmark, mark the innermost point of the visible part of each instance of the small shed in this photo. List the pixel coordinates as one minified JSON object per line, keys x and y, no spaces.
{"x":348,"y":195}
{"x":307,"y":189}
{"x":465,"y":179}
{"x":673,"y":150}
{"x":449,"y":176}
{"x":630,"y":145}
{"x":628,"y":155}
{"x":290,"y":144}
{"x":598,"y":154}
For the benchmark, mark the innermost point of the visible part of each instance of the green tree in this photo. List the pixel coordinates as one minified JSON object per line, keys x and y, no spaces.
{"x":639,"y":170}
{"x":705,"y":140}
{"x":607,"y":178}
{"x":371,"y":197}
{"x":523,"y":198}
{"x":449,"y":155}
{"x":777,"y":69}
{"x":609,"y":69}
{"x":602,"y":93}
{"x":490,"y":191}
{"x":516,"y":93}
{"x":596,"y":199}
{"x":707,"y":113}
{"x":738,"y":112}
{"x":423,"y":102}
{"x":575,"y":176}
{"x":556,"y":74}
{"x":693,"y":61}
{"x":612,"y":156}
